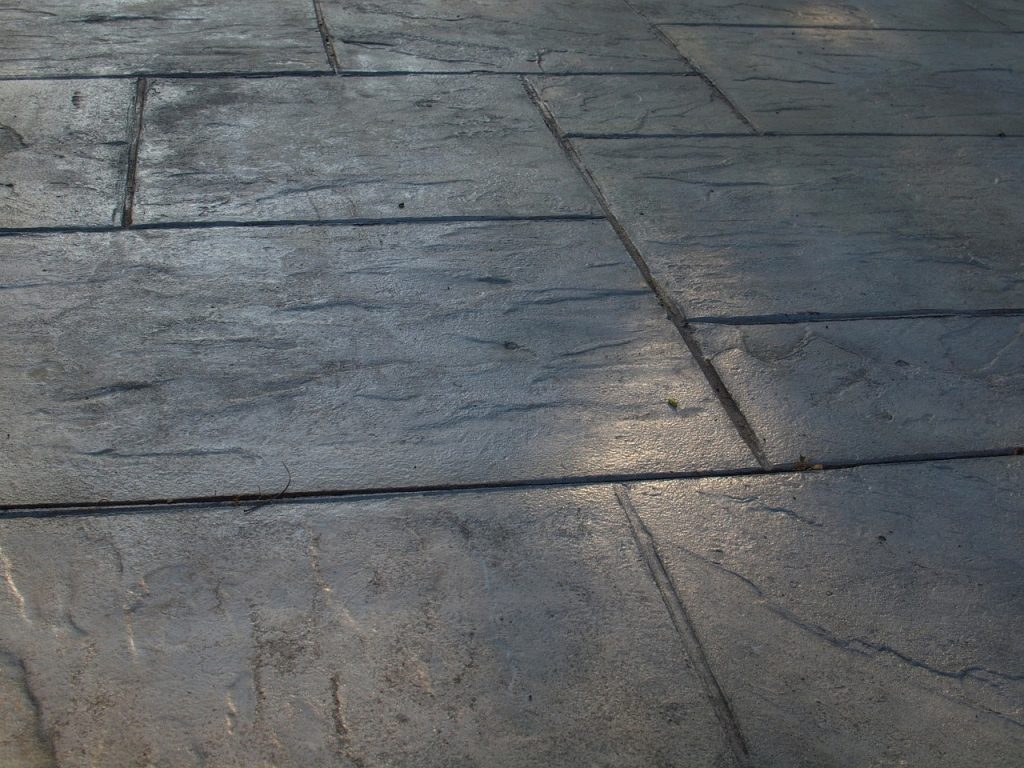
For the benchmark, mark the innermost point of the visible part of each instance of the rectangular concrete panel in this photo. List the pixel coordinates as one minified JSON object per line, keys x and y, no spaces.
{"x":513,"y":628}
{"x":163,"y":364}
{"x":636,"y":105}
{"x":871,"y":616}
{"x":63,"y":152}
{"x":766,"y":226}
{"x":859,"y":81}
{"x":117,"y":37}
{"x":496,"y":36}
{"x":887,"y":14}
{"x":856,"y":391}
{"x":330,"y":148}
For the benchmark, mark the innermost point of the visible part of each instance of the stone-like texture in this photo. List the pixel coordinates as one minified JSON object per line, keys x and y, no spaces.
{"x":496,"y":36}
{"x":868,"y":617}
{"x":765,"y":226}
{"x":110,"y":37}
{"x":930,"y":14}
{"x":636,"y":105}
{"x":513,"y":628}
{"x":329,"y":148}
{"x":63,"y":151}
{"x":856,"y":81}
{"x":874,"y":388}
{"x":1009,"y":13}
{"x":155,"y":364}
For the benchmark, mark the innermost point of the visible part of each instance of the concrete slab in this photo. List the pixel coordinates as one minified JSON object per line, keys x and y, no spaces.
{"x":116,"y":37}
{"x":862,"y":390}
{"x":767,"y":226}
{"x":291,"y":148}
{"x":929,"y":14}
{"x":855,"y":81}
{"x":495,"y":36}
{"x":157,"y":364}
{"x":861,"y":617}
{"x":63,"y":152}
{"x":636,"y":105}
{"x":515,"y":628}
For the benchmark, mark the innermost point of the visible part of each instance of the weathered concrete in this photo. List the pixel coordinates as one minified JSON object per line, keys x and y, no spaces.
{"x":63,"y":152}
{"x":636,"y":105}
{"x":787,"y":225}
{"x":861,"y":617}
{"x":513,"y":628}
{"x":933,"y":14}
{"x":1007,"y":12}
{"x":854,"y":391}
{"x":858,"y":81}
{"x":496,"y":36}
{"x":112,"y":37}
{"x":206,"y":362}
{"x":290,"y":148}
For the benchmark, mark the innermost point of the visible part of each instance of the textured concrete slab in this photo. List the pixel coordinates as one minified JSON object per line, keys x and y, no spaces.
{"x":859,"y":617}
{"x":636,"y":105}
{"x":932,"y":14}
{"x":855,"y":81}
{"x":111,"y":37}
{"x":496,"y":36}
{"x":507,"y":629}
{"x":868,"y":389}
{"x":291,"y":148}
{"x":63,"y":152}
{"x":161,"y":364}
{"x":771,"y":226}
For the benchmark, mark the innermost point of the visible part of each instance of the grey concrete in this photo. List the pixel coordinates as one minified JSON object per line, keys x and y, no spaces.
{"x":110,"y":37}
{"x":63,"y":152}
{"x":787,"y":225}
{"x":854,"y":391}
{"x":636,"y":105}
{"x":517,"y":628}
{"x":861,"y":617}
{"x":164,"y":364}
{"x":920,"y":14}
{"x":291,"y":148}
{"x":855,"y":81}
{"x":495,"y":36}
{"x":1008,"y":13}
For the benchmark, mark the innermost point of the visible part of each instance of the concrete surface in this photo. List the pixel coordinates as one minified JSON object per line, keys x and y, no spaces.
{"x":549,"y":383}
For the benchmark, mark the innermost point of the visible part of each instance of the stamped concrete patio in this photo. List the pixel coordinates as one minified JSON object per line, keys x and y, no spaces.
{"x":512,"y":383}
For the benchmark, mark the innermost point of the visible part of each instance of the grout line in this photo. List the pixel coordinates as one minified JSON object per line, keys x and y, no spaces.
{"x":325,"y":37}
{"x":130,"y":506}
{"x":838,"y":27}
{"x":312,"y":73}
{"x":138,"y":107}
{"x":675,"y":313}
{"x":849,"y":317}
{"x":359,"y":222}
{"x":685,"y":629}
{"x":660,"y":33}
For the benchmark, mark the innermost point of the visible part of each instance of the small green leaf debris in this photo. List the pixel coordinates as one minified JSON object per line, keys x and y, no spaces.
{"x":673,"y":403}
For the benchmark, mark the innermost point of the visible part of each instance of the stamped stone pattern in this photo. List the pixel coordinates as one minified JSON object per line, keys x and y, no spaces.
{"x":117,"y":37}
{"x":859,"y":81}
{"x":496,"y":36}
{"x":292,"y":148}
{"x":340,"y":358}
{"x":899,"y":14}
{"x":768,"y":226}
{"x":63,"y":152}
{"x":870,"y":616}
{"x":852,"y":391}
{"x":636,"y":106}
{"x":512,"y":628}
